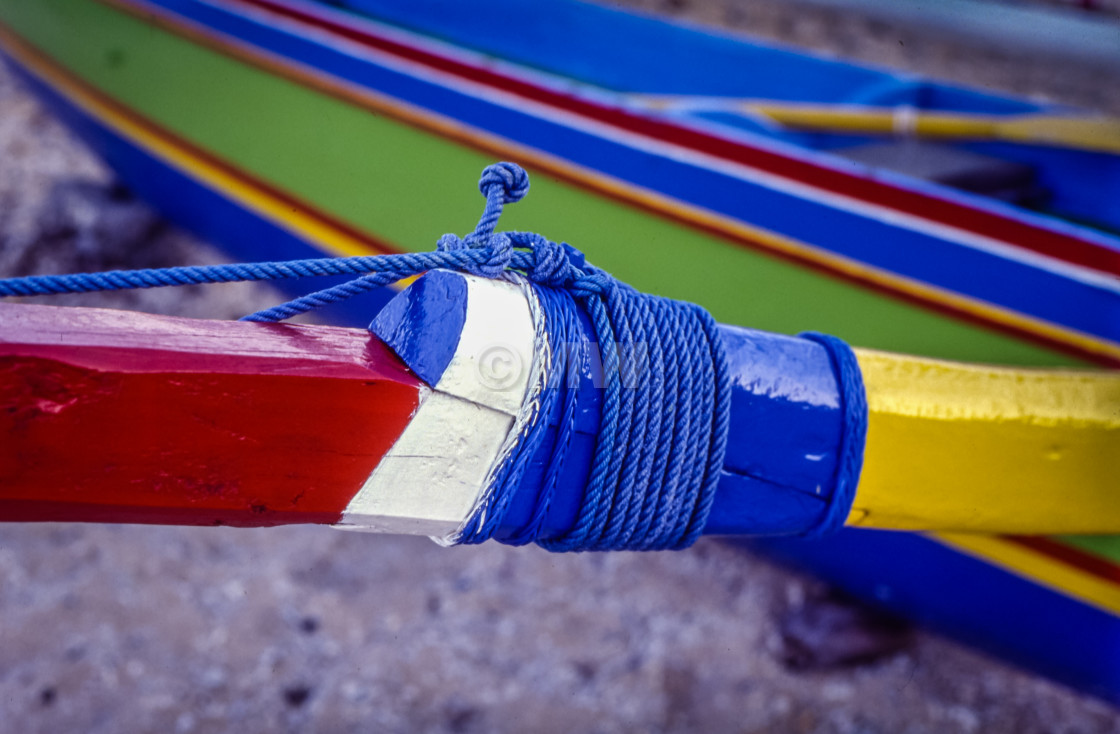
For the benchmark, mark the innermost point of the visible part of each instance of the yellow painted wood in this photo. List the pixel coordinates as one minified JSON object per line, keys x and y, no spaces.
{"x":988,"y":449}
{"x":1083,"y":132}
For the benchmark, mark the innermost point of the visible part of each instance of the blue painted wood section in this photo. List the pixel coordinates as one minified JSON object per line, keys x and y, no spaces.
{"x":965,"y":597}
{"x":435,"y":307}
{"x":784,"y":439}
{"x":783,"y":442}
{"x":879,"y":240}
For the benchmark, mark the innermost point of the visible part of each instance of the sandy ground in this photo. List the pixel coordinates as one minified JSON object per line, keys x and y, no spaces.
{"x":127,"y":628}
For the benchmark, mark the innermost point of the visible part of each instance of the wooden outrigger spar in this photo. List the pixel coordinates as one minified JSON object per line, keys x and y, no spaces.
{"x":339,"y":129}
{"x":117,"y":417}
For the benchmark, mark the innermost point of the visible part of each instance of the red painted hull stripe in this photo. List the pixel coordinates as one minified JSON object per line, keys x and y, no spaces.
{"x":1091,"y":564}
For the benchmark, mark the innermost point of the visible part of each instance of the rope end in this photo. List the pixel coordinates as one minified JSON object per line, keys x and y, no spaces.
{"x":512,"y":179}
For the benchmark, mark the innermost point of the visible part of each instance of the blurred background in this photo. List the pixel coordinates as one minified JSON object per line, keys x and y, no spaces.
{"x":130,"y":628}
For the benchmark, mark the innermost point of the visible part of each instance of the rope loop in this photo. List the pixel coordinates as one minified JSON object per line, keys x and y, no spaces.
{"x":550,"y":261}
{"x":501,"y":183}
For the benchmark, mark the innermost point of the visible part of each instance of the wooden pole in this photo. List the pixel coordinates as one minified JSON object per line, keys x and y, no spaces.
{"x":120,"y":417}
{"x":107,"y":416}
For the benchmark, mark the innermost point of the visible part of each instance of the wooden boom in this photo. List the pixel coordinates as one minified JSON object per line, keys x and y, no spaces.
{"x":109,"y":416}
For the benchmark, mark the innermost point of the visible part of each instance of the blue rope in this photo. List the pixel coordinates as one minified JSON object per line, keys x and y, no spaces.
{"x":853,"y":397}
{"x":666,"y":403}
{"x":559,"y":310}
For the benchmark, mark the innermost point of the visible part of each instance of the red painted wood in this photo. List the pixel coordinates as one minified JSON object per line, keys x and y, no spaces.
{"x":109,"y":416}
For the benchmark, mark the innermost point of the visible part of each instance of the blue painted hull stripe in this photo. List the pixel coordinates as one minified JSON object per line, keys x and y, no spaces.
{"x":972,"y":600}
{"x":1088,"y":308}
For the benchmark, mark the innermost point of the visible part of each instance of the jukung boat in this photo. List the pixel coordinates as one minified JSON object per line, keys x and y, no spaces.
{"x":785,"y":192}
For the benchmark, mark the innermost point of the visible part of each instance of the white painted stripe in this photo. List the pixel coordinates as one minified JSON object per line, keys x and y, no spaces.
{"x":430,"y":480}
{"x":491,"y":364}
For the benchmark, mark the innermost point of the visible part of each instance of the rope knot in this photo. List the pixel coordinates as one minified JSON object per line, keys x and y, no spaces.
{"x":511,"y":179}
{"x":591,"y":283}
{"x":499,"y":253}
{"x":487,"y":259}
{"x":550,"y":261}
{"x":451,"y":243}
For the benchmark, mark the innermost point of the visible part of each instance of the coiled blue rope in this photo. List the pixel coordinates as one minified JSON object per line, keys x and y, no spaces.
{"x":661,"y":442}
{"x":849,"y":462}
{"x":666,"y":403}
